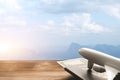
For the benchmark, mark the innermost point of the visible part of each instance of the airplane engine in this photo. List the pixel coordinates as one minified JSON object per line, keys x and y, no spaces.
{"x":98,"y":68}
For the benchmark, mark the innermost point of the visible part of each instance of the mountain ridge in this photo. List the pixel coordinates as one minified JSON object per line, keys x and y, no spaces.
{"x":105,"y":48}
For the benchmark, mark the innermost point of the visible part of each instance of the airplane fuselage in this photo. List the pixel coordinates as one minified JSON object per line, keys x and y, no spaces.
{"x":100,"y":58}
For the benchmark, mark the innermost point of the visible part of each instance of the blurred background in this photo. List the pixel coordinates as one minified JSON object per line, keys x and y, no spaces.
{"x":56,"y":29}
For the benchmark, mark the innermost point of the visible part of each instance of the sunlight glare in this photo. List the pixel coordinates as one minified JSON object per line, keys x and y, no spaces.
{"x":5,"y":47}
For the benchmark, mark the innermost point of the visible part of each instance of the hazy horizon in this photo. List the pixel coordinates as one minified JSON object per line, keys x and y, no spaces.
{"x":52,"y":25}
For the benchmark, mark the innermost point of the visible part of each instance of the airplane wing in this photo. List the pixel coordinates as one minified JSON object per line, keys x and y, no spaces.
{"x":111,"y":72}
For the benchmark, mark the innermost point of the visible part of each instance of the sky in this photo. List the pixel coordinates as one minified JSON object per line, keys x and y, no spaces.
{"x":50,"y":24}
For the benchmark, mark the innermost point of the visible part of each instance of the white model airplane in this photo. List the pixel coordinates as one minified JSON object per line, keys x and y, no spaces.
{"x":110,"y":63}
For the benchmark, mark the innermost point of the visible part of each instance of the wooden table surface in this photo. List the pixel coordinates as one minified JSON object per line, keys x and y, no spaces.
{"x":33,"y":70}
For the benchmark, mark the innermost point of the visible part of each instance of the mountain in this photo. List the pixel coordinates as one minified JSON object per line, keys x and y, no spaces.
{"x":72,"y":51}
{"x":108,"y":49}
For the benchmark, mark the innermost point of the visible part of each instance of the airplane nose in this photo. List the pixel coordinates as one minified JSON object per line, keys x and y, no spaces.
{"x":82,"y":51}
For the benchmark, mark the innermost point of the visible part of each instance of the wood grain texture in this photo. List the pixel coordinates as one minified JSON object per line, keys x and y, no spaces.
{"x":33,"y":70}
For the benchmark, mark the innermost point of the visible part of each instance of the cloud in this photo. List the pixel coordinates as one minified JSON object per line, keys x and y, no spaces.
{"x":71,"y":23}
{"x":10,"y":17}
{"x":67,"y":6}
{"x":109,"y":7}
{"x":10,"y":21}
{"x":112,"y":10}
{"x":51,"y":22}
{"x":38,"y":22}
{"x":83,"y":23}
{"x":74,"y":23}
{"x":7,"y":6}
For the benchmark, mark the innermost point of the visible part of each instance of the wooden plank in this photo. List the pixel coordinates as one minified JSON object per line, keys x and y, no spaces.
{"x":32,"y":70}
